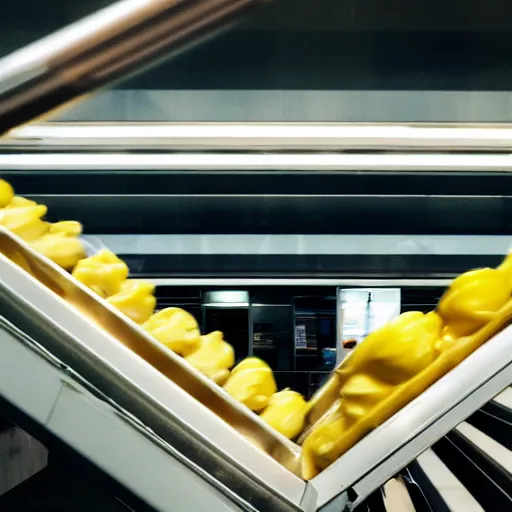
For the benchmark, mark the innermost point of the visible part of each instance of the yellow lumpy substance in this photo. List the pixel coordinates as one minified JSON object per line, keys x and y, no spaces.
{"x":135,"y":299}
{"x":399,"y":361}
{"x":387,"y":358}
{"x":286,"y":412}
{"x":176,"y":329}
{"x":474,"y":299}
{"x":214,"y":357}
{"x":6,"y":193}
{"x":251,"y":383}
{"x":65,"y":251}
{"x":25,"y":221}
{"x":104,"y":273}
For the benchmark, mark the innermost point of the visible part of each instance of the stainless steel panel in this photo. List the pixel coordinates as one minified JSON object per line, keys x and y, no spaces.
{"x":253,"y":136}
{"x":36,"y":399}
{"x":106,"y":436}
{"x":262,"y":162}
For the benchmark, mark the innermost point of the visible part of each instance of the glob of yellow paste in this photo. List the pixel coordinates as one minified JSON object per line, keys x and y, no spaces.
{"x":25,"y":218}
{"x":391,"y":356}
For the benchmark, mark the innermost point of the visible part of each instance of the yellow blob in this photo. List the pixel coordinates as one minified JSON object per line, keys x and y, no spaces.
{"x":63,"y":250}
{"x":20,"y":202}
{"x":214,"y":357}
{"x":25,"y":222}
{"x":251,"y":383}
{"x":104,"y":273}
{"x":135,"y":299}
{"x":286,"y":413}
{"x":176,"y":329}
{"x":66,"y":228}
{"x":473,"y":300}
{"x":6,"y":193}
{"x":397,"y":351}
{"x":387,"y":359}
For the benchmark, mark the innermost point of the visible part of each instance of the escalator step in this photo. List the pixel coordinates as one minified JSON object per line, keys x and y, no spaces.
{"x":505,"y":398}
{"x":397,"y":497}
{"x":453,"y":492}
{"x":495,"y":421}
{"x":487,"y":481}
{"x":491,"y":447}
{"x":498,"y":410}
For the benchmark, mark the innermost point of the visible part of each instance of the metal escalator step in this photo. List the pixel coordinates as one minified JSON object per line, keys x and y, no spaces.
{"x":391,"y":497}
{"x":499,"y":411}
{"x":491,"y":447}
{"x":505,"y":398}
{"x":451,"y":489}
{"x":396,"y":496}
{"x":485,"y":479}
{"x":374,"y":503}
{"x":495,"y":421}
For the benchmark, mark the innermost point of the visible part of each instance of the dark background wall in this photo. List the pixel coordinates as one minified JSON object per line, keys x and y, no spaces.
{"x":367,"y":44}
{"x":316,"y":47}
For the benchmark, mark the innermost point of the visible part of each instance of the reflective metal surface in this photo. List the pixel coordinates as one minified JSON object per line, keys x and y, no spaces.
{"x":102,"y":48}
{"x":259,"y":162}
{"x":254,"y":136}
{"x":68,"y":408}
{"x":87,"y":335}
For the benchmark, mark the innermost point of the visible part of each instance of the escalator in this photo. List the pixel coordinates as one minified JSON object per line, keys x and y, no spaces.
{"x":126,"y":425}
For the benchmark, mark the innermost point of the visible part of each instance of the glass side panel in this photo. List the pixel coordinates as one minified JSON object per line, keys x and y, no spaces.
{"x":299,"y":60}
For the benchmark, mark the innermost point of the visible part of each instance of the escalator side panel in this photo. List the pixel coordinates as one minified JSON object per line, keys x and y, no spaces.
{"x":98,"y":432}
{"x":141,"y":389}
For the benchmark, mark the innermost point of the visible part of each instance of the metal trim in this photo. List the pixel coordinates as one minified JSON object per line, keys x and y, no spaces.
{"x":251,"y":136}
{"x":236,"y":282}
{"x":267,"y":162}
